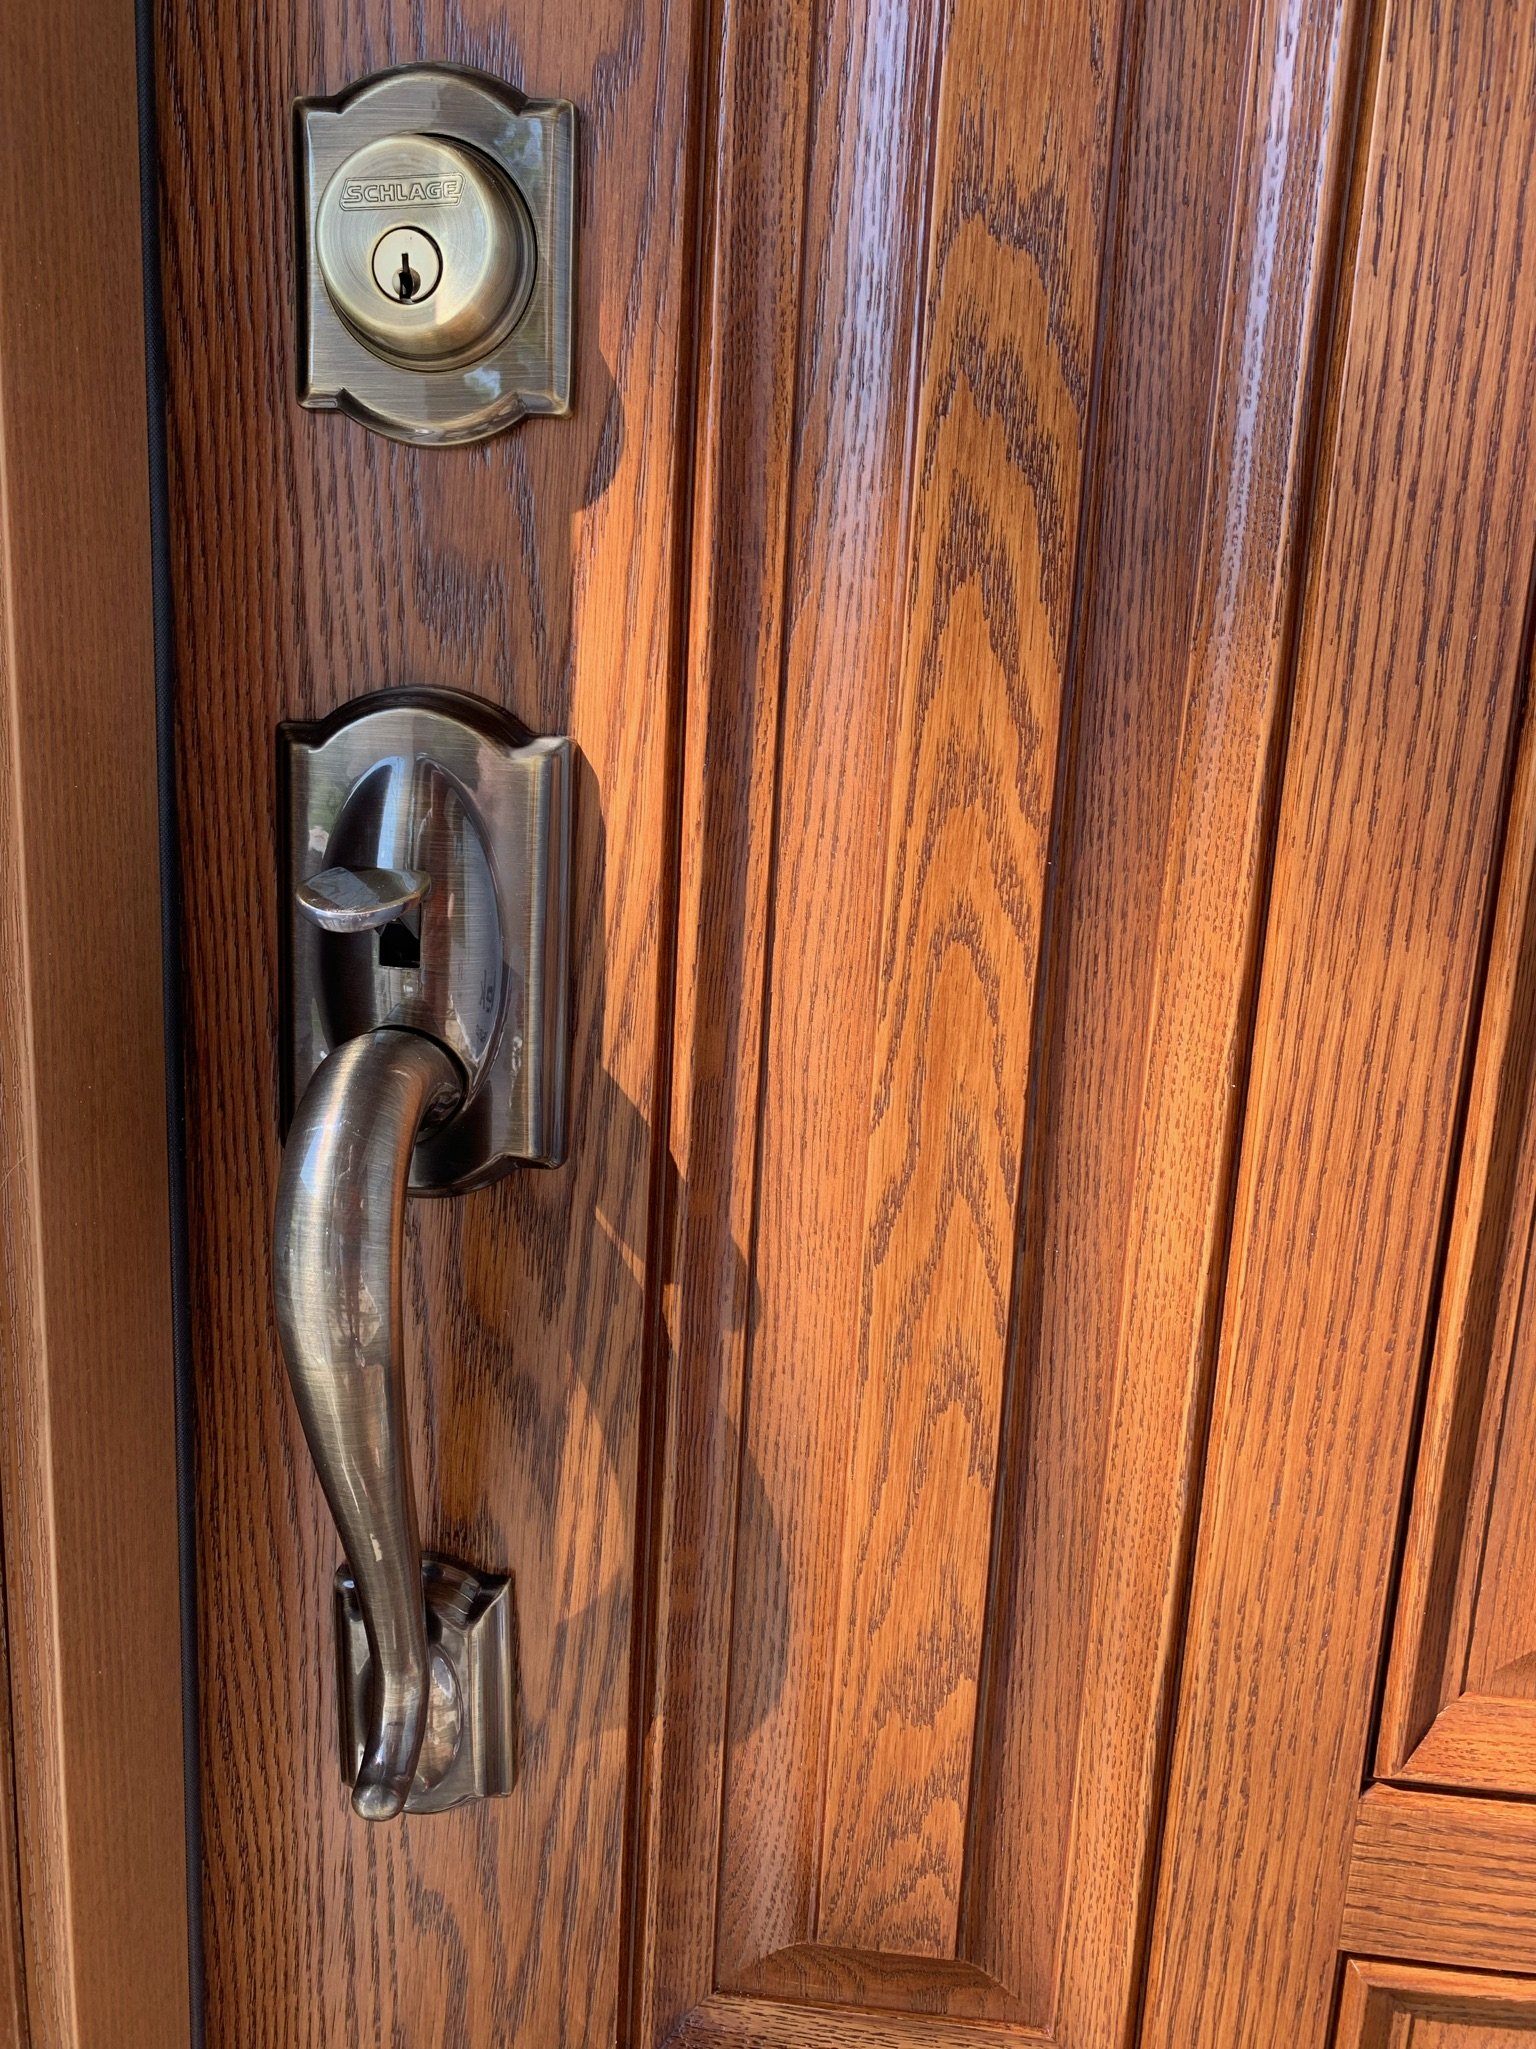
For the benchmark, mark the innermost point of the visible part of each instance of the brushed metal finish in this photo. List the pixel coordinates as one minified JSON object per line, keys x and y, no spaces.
{"x":469,"y":1751}
{"x":337,"y":1257}
{"x":475,"y":251}
{"x":525,"y":146}
{"x":426,"y":910}
{"x":438,"y":784}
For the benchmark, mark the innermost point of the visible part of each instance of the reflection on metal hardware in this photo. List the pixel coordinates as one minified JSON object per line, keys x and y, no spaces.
{"x":337,"y":1258}
{"x":360,"y":899}
{"x":436,"y":215}
{"x":469,"y":1749}
{"x":428,"y":905}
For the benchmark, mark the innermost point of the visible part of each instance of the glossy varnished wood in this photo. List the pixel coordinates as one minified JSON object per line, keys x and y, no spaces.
{"x":959,"y":866}
{"x":1397,"y":2006}
{"x":920,"y":1495}
{"x":92,"y":1740}
{"x":1409,"y":690}
{"x":313,"y":561}
{"x":825,"y":824}
{"x":753,"y":135}
{"x":1447,"y":1880}
{"x":1189,"y":596}
{"x":14,"y":2026}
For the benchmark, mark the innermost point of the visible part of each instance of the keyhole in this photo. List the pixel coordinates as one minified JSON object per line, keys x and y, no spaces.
{"x":407,"y":264}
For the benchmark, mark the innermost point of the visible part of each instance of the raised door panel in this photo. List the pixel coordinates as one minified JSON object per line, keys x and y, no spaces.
{"x":1397,"y":2006}
{"x":1382,"y":1166}
{"x":975,"y":810}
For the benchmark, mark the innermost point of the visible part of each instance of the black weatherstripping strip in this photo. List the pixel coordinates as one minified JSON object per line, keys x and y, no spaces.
{"x":170,"y":940}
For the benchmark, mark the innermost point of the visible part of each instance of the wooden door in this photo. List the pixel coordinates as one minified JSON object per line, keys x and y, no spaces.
{"x":1035,"y":579}
{"x":912,"y":578}
{"x":1349,"y":1845}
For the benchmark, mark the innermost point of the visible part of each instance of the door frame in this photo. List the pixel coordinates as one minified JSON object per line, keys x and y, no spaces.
{"x":94,"y":1913}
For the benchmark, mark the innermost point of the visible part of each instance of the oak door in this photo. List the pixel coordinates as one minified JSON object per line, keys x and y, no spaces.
{"x":1348,"y":1847}
{"x":913,"y":928}
{"x":919,"y":578}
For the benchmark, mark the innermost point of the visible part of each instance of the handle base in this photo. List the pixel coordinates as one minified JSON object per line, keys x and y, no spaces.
{"x":470,"y":1748}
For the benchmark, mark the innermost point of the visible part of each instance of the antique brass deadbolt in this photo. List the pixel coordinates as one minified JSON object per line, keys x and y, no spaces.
{"x":435,"y":211}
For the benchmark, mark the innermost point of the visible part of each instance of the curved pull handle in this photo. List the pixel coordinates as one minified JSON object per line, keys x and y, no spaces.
{"x":337,"y":1257}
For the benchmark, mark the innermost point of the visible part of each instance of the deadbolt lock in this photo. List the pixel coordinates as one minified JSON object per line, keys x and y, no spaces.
{"x":436,"y":216}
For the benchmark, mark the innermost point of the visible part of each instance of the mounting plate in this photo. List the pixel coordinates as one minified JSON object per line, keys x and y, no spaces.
{"x":452,"y":788}
{"x":470,"y":1750}
{"x":528,"y":144}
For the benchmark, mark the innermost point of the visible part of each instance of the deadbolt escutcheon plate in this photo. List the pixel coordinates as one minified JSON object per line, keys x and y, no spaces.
{"x":435,"y":226}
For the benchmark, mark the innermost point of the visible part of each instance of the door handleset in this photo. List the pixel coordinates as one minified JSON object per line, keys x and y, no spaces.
{"x":426,"y":917}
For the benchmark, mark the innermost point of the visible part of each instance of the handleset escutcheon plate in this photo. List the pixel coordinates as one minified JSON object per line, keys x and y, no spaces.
{"x":426,"y":917}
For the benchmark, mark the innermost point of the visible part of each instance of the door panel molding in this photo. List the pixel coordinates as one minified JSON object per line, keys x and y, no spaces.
{"x":1388,"y":2005}
{"x":1460,"y":1705}
{"x":1442,"y":1878}
{"x":1393,"y":816}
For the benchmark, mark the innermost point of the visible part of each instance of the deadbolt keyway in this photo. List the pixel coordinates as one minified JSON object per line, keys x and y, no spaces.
{"x":436,"y":208}
{"x":426,"y":250}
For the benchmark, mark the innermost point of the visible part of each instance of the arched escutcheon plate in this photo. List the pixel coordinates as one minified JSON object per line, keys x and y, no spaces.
{"x":435,"y":785}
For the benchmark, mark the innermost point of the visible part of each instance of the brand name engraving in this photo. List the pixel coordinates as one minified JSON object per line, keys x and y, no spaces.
{"x":360,"y":192}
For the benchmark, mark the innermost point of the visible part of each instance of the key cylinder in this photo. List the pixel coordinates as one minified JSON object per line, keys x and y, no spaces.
{"x":406,"y":266}
{"x":426,"y":250}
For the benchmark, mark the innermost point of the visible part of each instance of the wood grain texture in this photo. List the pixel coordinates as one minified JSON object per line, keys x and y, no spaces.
{"x":869,"y":87}
{"x":1398,"y":2006}
{"x":734,"y":2023}
{"x":999,"y":456}
{"x":748,"y":350}
{"x":1408,"y":692}
{"x":1215,"y":326}
{"x":824,"y":822}
{"x":313,"y":561}
{"x":87,"y":1426}
{"x":1444,"y":1879}
{"x":1458,"y":1709}
{"x":14,"y":2028}
{"x":797,"y":822}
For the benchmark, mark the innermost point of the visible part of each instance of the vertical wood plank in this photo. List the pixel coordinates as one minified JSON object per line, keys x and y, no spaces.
{"x":869,"y":85}
{"x":87,"y":1422}
{"x":1164,"y":841}
{"x":1293,"y":110}
{"x":1409,"y":686}
{"x":1007,"y":339}
{"x":314,"y":561}
{"x":1164,"y":293}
